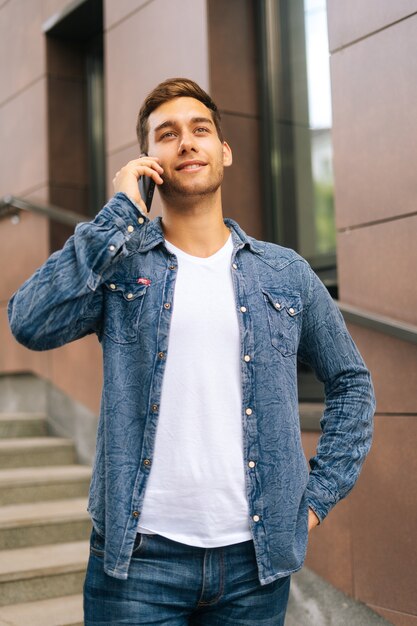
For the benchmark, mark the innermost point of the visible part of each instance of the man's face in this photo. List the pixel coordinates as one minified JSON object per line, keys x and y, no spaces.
{"x":183,"y":135}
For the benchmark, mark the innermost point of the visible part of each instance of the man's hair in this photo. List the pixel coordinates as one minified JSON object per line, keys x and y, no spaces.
{"x":166,"y":91}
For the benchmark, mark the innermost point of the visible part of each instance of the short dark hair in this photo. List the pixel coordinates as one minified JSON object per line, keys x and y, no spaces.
{"x":166,"y":91}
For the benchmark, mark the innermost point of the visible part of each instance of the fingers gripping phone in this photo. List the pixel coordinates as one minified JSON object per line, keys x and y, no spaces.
{"x":146,"y":189}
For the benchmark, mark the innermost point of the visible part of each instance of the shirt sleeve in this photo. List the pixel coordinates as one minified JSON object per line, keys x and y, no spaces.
{"x":62,"y":301}
{"x":347,"y":421}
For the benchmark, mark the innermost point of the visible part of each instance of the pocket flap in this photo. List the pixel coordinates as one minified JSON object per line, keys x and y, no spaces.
{"x":284,"y":302}
{"x":130,"y":290}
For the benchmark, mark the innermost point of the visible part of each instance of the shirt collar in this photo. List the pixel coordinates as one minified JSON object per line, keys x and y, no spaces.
{"x":152,"y":235}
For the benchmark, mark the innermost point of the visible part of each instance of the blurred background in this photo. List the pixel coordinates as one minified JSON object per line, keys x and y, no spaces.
{"x":318,"y":104}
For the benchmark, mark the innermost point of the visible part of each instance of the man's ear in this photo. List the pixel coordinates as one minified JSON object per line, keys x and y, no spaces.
{"x":227,"y":154}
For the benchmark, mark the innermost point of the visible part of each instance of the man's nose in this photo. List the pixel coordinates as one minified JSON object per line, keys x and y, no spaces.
{"x":187,"y":143}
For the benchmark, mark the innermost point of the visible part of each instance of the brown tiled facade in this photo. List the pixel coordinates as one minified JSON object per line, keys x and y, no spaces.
{"x":366,"y":547}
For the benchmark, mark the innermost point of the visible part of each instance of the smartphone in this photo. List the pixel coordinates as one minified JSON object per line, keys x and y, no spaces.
{"x":146,"y":189}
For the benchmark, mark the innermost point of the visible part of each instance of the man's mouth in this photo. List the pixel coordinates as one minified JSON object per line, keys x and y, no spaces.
{"x":191,"y":165}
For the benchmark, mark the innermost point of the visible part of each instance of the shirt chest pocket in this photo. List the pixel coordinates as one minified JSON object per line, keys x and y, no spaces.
{"x":284,"y":318}
{"x":123,"y":304}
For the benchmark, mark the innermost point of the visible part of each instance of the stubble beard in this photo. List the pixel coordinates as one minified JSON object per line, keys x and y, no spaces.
{"x":175,"y":188}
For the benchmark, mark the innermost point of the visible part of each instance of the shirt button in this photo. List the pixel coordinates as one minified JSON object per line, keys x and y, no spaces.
{"x":147,"y":462}
{"x":256,"y":518}
{"x":277,"y":305}
{"x":251,"y":464}
{"x":130,"y":296}
{"x":154,"y":407}
{"x":248,"y":411}
{"x":291,"y":311}
{"x":167,"y":305}
{"x":246,"y":358}
{"x":243,"y":309}
{"x":172,"y":267}
{"x":112,"y":286}
{"x":112,"y":248}
{"x":161,"y":355}
{"x":234,"y":266}
{"x":135,"y":513}
{"x":141,"y":220}
{"x":130,"y":228}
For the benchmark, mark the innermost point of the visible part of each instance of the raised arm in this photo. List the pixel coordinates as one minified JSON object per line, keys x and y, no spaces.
{"x":62,"y":301}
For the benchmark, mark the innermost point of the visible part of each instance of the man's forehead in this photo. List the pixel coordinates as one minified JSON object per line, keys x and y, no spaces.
{"x":180,"y":110}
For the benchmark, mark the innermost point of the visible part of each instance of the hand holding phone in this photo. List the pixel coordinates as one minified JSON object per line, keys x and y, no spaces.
{"x":137,"y":180}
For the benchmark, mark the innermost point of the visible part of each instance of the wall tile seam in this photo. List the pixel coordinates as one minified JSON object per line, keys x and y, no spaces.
{"x":127,"y":16}
{"x":240,"y":114}
{"x":395,"y":414}
{"x":386,"y":608}
{"x":384,"y":220}
{"x":16,"y":94}
{"x":371,"y":34}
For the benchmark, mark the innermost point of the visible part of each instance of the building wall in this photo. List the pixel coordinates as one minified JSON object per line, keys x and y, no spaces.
{"x":367,"y":545}
{"x":145,"y":42}
{"x":24,"y":172}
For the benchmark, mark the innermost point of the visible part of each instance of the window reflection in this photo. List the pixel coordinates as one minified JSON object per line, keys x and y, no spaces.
{"x":320,"y":123}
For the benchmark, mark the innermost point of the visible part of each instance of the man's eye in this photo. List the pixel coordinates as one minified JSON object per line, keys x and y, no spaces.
{"x":201,"y":129}
{"x":167,"y":135}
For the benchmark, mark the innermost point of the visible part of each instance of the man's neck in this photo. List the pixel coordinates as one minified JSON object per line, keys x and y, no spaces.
{"x":197,"y":229}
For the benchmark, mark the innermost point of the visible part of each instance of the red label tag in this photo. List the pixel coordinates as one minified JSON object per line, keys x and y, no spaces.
{"x":143,"y":281}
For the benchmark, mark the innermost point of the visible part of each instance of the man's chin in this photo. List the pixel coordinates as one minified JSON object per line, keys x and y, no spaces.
{"x":187,"y":190}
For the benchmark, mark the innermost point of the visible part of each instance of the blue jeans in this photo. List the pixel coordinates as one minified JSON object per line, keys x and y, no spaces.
{"x":174,"y":584}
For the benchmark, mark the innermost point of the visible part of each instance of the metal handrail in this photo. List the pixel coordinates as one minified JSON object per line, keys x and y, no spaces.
{"x":355,"y":315}
{"x":9,"y":204}
{"x":379,"y":323}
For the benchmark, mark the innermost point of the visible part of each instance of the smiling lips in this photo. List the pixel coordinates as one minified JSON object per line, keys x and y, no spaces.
{"x":190,"y":166}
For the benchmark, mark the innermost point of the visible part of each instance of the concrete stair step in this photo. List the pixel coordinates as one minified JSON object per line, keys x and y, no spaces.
{"x":42,"y":572}
{"x":40,"y":523}
{"x":22,"y":425}
{"x":32,"y":484}
{"x":64,"y":611}
{"x":36,"y":451}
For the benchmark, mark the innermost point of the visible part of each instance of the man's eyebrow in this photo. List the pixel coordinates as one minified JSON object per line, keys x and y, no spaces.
{"x":173,"y":124}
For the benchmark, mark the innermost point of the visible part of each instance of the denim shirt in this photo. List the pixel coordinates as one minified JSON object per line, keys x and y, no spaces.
{"x":115,"y":277}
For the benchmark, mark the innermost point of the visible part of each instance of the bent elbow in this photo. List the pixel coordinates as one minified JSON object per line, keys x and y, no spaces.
{"x":23,"y":328}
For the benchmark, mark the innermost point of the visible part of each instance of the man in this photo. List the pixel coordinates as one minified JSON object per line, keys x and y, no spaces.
{"x":201,"y":499}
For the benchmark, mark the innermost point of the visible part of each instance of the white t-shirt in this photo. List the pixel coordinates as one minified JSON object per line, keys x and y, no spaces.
{"x":196,"y":488}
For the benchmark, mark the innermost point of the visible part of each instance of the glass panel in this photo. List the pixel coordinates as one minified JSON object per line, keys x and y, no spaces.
{"x":296,"y":129}
{"x":320,"y":123}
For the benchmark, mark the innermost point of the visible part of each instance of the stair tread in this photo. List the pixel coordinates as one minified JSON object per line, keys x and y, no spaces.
{"x":12,"y":444}
{"x":22,"y":417}
{"x":70,"y":509}
{"x":46,"y":560}
{"x":62,"y":611}
{"x":42,"y":475}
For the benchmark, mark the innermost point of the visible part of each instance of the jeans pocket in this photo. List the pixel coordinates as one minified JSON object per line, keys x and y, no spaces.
{"x":96,"y":543}
{"x":139,"y":545}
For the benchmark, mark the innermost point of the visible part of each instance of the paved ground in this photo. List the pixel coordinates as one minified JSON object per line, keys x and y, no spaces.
{"x":314,"y":602}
